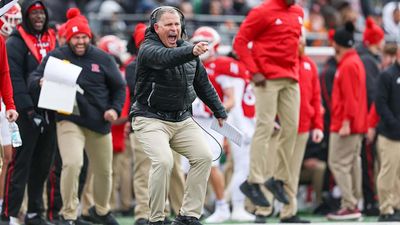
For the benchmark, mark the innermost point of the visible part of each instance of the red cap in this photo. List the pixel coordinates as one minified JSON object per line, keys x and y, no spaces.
{"x":138,"y":34}
{"x":35,"y":6}
{"x":76,"y":24}
{"x":373,"y":34}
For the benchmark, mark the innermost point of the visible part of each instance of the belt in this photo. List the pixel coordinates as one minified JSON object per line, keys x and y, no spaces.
{"x":172,"y":116}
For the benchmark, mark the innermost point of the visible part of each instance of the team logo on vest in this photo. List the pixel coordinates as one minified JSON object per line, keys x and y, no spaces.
{"x":95,"y":68}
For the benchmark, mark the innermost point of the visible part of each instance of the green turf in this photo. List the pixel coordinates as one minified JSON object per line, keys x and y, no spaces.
{"x":314,"y":219}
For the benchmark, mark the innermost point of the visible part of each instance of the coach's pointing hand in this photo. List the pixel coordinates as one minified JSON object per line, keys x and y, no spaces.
{"x":200,"y":48}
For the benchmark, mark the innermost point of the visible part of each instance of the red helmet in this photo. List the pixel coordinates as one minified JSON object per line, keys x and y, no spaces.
{"x":207,"y":34}
{"x":112,"y":45}
{"x":210,"y":35}
{"x":10,"y":20}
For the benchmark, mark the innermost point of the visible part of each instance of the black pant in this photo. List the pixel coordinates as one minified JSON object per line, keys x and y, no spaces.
{"x":30,"y":165}
{"x":54,"y":200}
{"x":368,"y":155}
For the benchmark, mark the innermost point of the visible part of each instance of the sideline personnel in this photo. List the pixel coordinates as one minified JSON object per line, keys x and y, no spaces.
{"x":99,"y":104}
{"x":169,"y":75}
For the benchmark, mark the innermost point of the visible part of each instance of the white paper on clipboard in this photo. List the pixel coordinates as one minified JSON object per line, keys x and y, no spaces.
{"x":228,"y":131}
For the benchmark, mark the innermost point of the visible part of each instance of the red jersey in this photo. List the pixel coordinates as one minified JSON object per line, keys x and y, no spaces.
{"x":310,"y":104}
{"x":225,"y":72}
{"x":349,"y":95}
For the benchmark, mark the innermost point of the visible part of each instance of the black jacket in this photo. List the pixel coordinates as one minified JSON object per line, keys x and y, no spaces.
{"x":101,"y":81}
{"x":326,"y":81}
{"x":168,"y":80}
{"x":388,"y":102}
{"x":21,"y":61}
{"x":371,"y":65}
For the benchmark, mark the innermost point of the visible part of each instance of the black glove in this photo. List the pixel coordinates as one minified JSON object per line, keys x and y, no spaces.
{"x":36,"y":119}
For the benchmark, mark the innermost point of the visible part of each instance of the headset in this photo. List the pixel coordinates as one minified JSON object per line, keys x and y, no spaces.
{"x":154,"y":15}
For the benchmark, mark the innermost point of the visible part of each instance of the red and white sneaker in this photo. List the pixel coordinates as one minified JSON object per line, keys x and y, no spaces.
{"x":345,"y":214}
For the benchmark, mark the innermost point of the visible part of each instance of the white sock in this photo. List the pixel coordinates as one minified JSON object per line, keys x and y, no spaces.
{"x":14,"y":221}
{"x":221,"y":204}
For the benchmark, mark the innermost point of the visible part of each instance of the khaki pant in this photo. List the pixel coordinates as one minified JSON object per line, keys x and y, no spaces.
{"x":87,"y":200}
{"x":268,"y":167}
{"x":142,"y":166}
{"x":72,"y":139}
{"x":280,"y":97}
{"x":158,"y":138}
{"x":122,"y":179}
{"x":316,"y":177}
{"x":389,"y":154}
{"x":295,"y":165}
{"x":345,"y":163}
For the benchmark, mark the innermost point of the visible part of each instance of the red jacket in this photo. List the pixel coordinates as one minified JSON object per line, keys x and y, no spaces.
{"x":310,"y":104}
{"x":373,"y":117}
{"x":274,"y":30}
{"x":349,"y":95}
{"x":6,"y":90}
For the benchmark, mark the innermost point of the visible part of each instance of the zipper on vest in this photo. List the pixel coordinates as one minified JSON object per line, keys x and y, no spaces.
{"x":153,"y":85}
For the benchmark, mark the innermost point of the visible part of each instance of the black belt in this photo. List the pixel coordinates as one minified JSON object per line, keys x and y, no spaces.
{"x":170,"y":116}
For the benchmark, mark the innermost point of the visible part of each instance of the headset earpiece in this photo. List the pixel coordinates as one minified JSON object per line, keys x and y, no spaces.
{"x":153,"y":18}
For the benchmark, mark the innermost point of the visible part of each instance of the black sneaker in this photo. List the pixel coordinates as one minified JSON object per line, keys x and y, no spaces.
{"x":81,"y":221}
{"x":276,"y":188}
{"x":67,"y":222}
{"x":141,"y":221}
{"x":260,"y":219}
{"x":87,"y":218}
{"x":294,"y":219}
{"x":156,"y":223}
{"x":186,"y":220}
{"x":253,"y":192}
{"x":107,"y":219}
{"x":389,"y":218}
{"x":37,"y":220}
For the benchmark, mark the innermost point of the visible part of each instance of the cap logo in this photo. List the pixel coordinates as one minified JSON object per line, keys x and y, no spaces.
{"x":75,"y":29}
